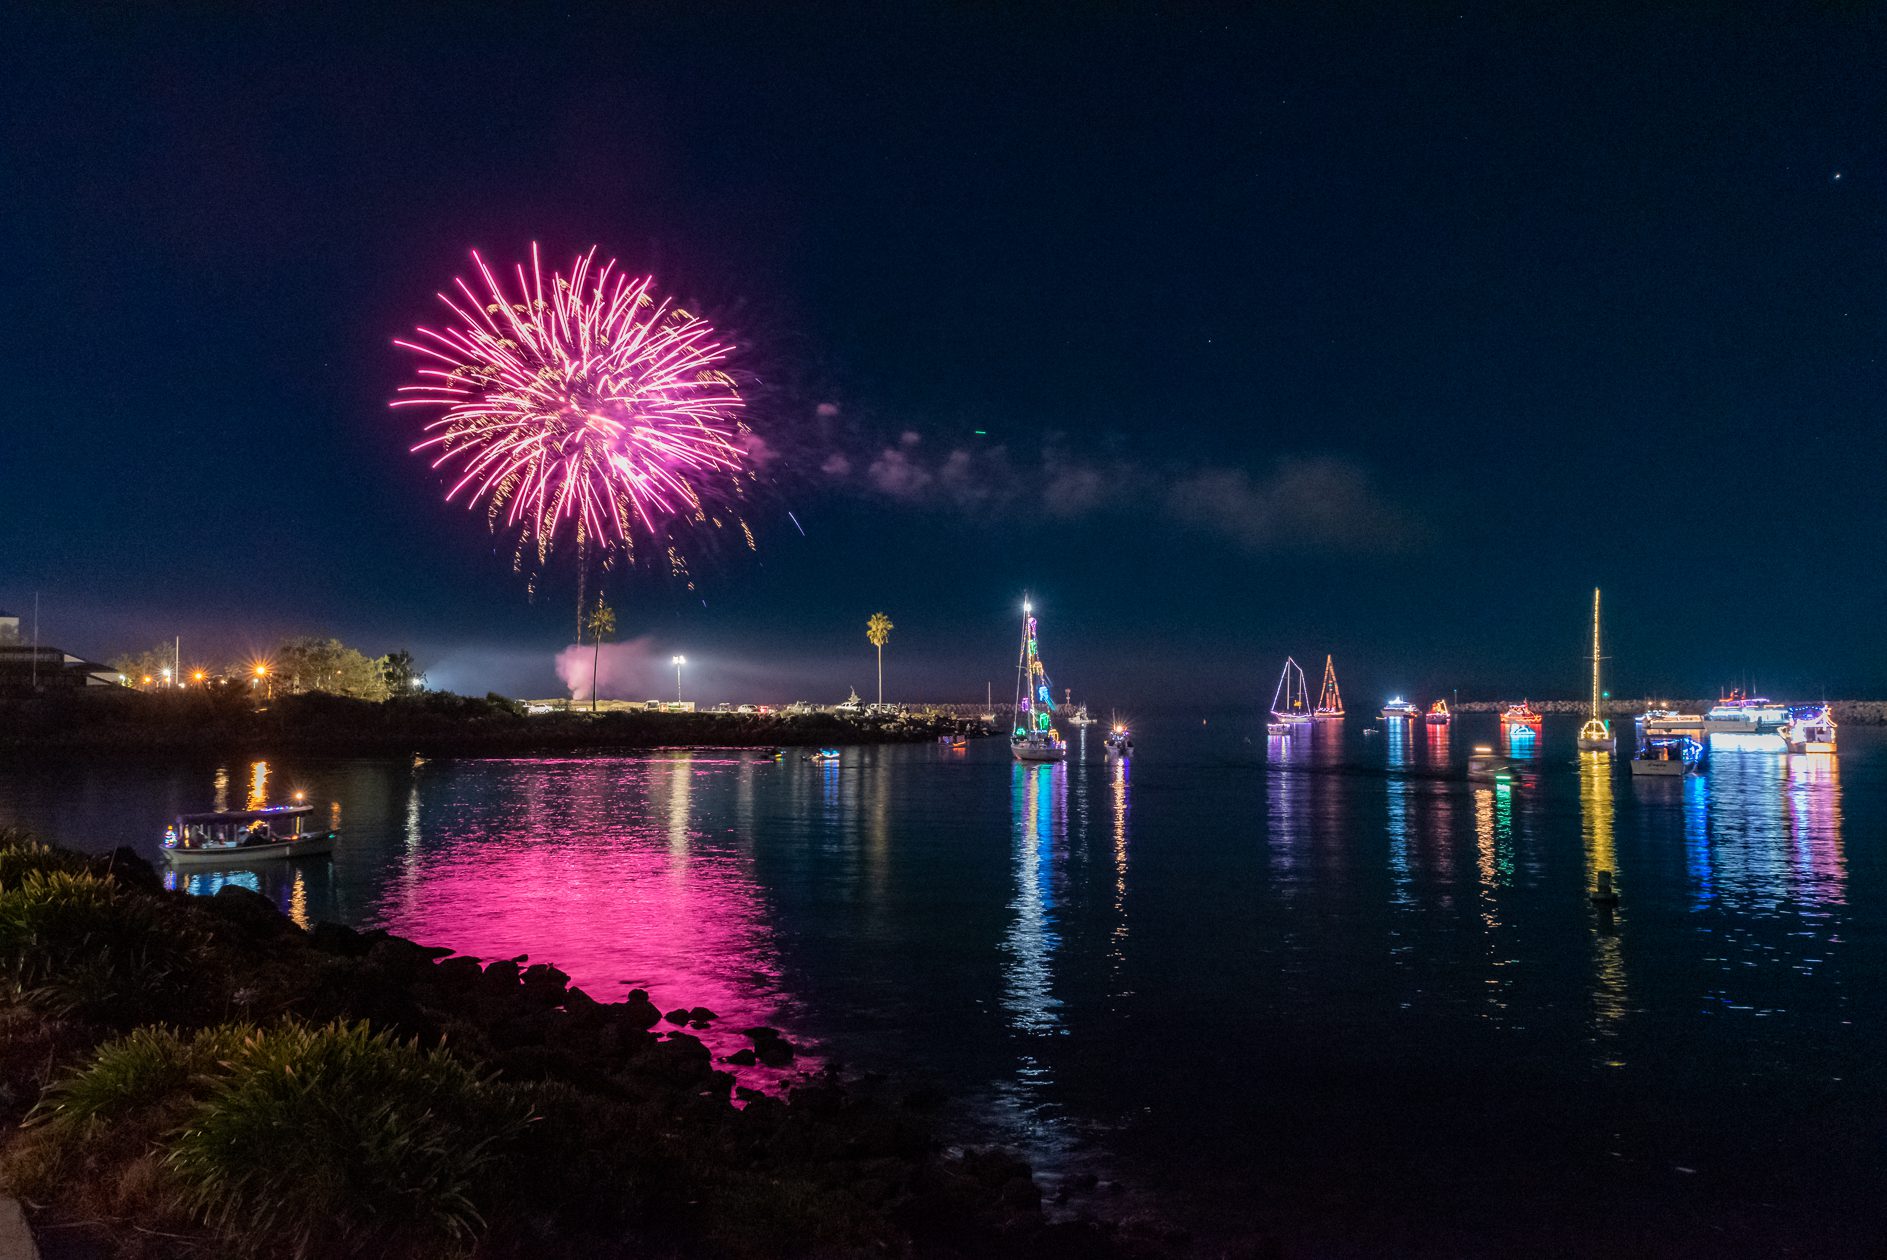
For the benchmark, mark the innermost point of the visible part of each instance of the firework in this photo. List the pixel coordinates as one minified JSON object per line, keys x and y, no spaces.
{"x":581,"y":406}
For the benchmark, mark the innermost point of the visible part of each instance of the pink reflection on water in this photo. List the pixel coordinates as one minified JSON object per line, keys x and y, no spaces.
{"x":600,"y":867}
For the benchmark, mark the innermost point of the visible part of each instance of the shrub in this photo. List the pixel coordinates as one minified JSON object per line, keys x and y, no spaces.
{"x":76,"y":943}
{"x":146,"y":1069}
{"x":334,"y":1140}
{"x":21,"y":855}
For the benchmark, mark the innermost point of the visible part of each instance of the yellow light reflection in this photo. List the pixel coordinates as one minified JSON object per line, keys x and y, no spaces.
{"x":1609,"y":997}
{"x":258,"y":785}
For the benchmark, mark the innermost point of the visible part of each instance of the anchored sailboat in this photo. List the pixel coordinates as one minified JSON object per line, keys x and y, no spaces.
{"x":1329,"y":699}
{"x":1290,"y":703}
{"x":1596,"y":735}
{"x":1035,"y":737}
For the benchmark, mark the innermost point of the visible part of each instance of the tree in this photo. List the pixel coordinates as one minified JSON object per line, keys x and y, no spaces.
{"x":601,"y":623}
{"x":149,"y":664}
{"x":312,"y":663}
{"x":399,"y":671}
{"x":878,"y":630}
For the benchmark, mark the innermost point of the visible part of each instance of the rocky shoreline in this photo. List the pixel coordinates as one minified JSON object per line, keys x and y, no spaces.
{"x":602,"y":1128}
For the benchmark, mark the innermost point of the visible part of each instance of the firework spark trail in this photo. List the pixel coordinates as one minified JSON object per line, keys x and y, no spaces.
{"x":583,"y":403}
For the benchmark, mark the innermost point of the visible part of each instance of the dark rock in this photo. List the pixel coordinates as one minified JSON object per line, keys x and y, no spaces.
{"x":760,"y":1033}
{"x":993,"y":1167}
{"x":742,"y":1058}
{"x":576,"y":1001}
{"x":701,"y":1015}
{"x":640,"y":1012}
{"x":251,"y":909}
{"x":638,"y":995}
{"x":775,"y":1052}
{"x":502,"y":974}
{"x":1083,"y":1181}
{"x":924,"y":1098}
{"x":457,"y":974}
{"x":748,"y":1095}
{"x":678,"y":1016}
{"x":127,"y":868}
{"x":700,"y":1025}
{"x":547,"y":976}
{"x":338,"y":938}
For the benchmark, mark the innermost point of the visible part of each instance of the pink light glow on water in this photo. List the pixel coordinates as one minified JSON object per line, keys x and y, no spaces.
{"x":599,"y":868}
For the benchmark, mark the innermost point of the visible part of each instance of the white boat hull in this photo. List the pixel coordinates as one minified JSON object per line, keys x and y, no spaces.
{"x":1660,"y":769}
{"x":302,"y":846}
{"x":1039,"y":752}
{"x":1608,"y":744}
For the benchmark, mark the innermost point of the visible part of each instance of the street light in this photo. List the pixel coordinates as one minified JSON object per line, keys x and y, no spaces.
{"x":166,"y":673}
{"x":678,"y":662}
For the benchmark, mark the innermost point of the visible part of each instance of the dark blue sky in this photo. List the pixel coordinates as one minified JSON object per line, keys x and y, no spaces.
{"x":1383,"y":335}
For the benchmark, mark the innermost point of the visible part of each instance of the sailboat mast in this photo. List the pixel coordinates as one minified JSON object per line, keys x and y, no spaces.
{"x":1595,"y":653}
{"x":1025,"y":697}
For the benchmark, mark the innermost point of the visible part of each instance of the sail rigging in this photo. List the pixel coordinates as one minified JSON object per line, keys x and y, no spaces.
{"x":1291,"y":701}
{"x":1329,"y":698}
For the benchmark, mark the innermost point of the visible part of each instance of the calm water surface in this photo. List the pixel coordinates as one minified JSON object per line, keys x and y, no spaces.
{"x":1323,"y":985}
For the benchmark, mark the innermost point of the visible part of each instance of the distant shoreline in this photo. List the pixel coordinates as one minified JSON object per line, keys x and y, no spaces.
{"x":431,"y":724}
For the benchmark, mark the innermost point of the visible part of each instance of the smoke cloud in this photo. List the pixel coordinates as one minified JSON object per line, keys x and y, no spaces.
{"x":628,"y":670}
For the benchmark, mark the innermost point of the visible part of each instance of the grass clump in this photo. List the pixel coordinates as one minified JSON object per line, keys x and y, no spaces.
{"x":75,"y":943}
{"x":148,"y":1068}
{"x":336,"y":1140}
{"x":21,"y":855}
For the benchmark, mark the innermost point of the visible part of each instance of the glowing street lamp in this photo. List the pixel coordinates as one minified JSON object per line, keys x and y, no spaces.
{"x":678,"y":662}
{"x":166,"y":673}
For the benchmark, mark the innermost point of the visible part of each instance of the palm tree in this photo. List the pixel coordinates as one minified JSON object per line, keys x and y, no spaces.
{"x":878,"y":629}
{"x":601,"y":622}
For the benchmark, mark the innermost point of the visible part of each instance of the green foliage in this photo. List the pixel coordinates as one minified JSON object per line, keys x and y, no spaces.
{"x":330,"y":1140}
{"x":312,"y":663}
{"x":601,"y":622}
{"x":145,"y":1069}
{"x":400,"y":672}
{"x":20,"y":855}
{"x":72,"y":942}
{"x":150,"y":663}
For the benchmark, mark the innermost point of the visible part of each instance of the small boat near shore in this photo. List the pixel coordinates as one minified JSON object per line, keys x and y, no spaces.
{"x":1671,"y":757}
{"x":1438,"y":714}
{"x":1487,"y":766}
{"x":222,"y":837}
{"x":822,"y":754}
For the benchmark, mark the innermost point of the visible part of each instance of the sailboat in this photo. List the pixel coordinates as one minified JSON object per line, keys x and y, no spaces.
{"x":1035,"y":738}
{"x":1329,"y":699}
{"x":1596,"y":735}
{"x":1290,"y":703}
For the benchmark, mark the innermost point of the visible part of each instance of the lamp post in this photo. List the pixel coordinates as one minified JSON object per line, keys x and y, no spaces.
{"x":262,"y":672}
{"x":678,"y":662}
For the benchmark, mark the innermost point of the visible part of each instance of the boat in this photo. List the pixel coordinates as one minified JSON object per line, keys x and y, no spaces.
{"x":1521,"y":714}
{"x":953,"y":741}
{"x":1438,"y":714}
{"x":1119,"y":744}
{"x":1657,"y":722}
{"x":1738,"y":714}
{"x":1282,"y":728}
{"x":822,"y":754}
{"x":1672,"y":756}
{"x":1811,"y":729}
{"x":1596,"y":735}
{"x":1329,"y":698}
{"x":1400,"y":710}
{"x":1035,"y":737}
{"x":1290,"y":703}
{"x":1487,"y":765}
{"x":221,"y":837}
{"x":1072,"y":713}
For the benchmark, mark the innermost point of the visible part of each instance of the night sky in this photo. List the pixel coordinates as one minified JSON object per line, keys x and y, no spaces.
{"x":1387,"y":336}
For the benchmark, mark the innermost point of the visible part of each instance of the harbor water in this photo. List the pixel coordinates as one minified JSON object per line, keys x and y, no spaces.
{"x":1322,"y":988}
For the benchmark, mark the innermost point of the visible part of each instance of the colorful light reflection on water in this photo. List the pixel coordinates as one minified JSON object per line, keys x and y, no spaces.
{"x":1398,"y":973}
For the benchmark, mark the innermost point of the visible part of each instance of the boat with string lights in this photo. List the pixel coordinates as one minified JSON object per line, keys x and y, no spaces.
{"x":1034,"y":737}
{"x":223,"y":837}
{"x":1119,"y":744}
{"x":1596,"y":735}
{"x":1668,"y":757}
{"x":1400,"y":710}
{"x":1811,"y":729}
{"x":1329,"y":697}
{"x":1521,"y":716}
{"x":1438,"y":714}
{"x":1290,"y":703}
{"x":1738,"y":714}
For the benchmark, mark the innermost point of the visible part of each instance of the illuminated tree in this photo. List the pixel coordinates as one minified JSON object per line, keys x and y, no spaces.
{"x":878,"y":630}
{"x":601,"y":624}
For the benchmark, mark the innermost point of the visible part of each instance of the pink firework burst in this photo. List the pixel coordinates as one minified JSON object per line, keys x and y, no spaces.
{"x":580,"y":404}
